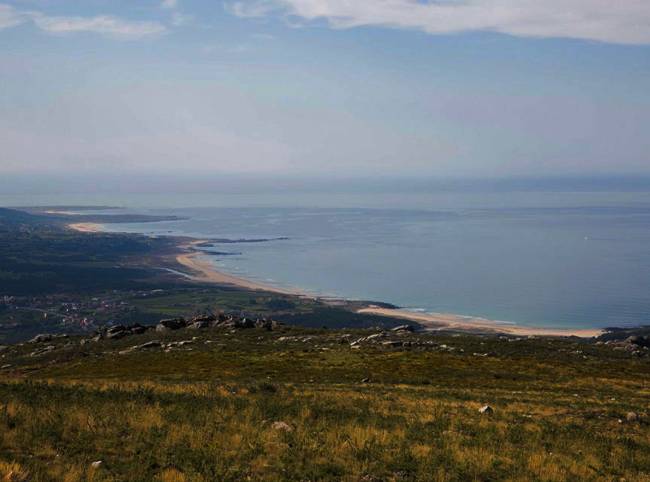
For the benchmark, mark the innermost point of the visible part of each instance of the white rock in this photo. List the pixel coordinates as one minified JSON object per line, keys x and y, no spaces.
{"x":283,"y":426}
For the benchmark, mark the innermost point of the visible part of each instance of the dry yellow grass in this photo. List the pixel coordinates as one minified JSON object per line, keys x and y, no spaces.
{"x":546,"y":426}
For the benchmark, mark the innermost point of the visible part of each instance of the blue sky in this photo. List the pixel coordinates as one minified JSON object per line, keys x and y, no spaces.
{"x":482,"y":88}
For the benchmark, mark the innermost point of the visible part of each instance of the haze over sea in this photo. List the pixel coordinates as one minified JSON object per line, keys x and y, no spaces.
{"x":560,"y":259}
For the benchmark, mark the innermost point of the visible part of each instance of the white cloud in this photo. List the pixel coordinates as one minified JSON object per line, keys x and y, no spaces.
{"x":9,"y":17}
{"x":621,"y":21}
{"x":169,"y":4}
{"x":180,"y":19}
{"x":103,"y":24}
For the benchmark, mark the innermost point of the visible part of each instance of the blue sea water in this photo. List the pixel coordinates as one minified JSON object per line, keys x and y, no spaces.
{"x":571,"y":260}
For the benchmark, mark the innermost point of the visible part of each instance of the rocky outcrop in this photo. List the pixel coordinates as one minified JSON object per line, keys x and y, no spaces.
{"x":44,"y":338}
{"x":41,"y":338}
{"x":486,"y":410}
{"x":168,"y":325}
{"x":403,"y":328}
{"x":116,"y":332}
{"x":282,"y":427}
{"x":171,"y":324}
{"x":636,"y":345}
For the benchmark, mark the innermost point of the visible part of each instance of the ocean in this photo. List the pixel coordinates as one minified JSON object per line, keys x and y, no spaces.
{"x":565,"y":260}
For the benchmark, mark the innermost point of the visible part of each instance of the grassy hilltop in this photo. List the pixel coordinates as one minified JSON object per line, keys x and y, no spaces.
{"x":300,"y":404}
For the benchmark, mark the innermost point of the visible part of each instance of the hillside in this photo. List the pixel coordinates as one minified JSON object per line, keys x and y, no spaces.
{"x":287,"y":403}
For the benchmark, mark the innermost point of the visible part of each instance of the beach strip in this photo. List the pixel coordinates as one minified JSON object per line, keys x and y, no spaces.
{"x":87,"y":227}
{"x":206,"y":272}
{"x":447,"y":321}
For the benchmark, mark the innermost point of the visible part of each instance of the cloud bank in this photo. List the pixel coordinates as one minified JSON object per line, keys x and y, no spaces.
{"x":106,"y":25}
{"x":620,"y":21}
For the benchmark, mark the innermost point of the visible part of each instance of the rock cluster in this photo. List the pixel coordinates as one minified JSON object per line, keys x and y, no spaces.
{"x":157,"y":344}
{"x":118,"y":332}
{"x":215,"y":321}
{"x":44,"y":338}
{"x":635,"y":345}
{"x":395,"y":338}
{"x":43,"y":351}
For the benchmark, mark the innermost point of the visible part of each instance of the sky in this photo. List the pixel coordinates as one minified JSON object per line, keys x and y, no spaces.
{"x":447,"y":88}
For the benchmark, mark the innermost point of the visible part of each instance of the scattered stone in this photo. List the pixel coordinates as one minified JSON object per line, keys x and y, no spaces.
{"x":402,"y":328}
{"x":170,"y":324}
{"x":392,"y":343}
{"x":638,"y":340}
{"x":486,"y":410}
{"x":41,"y":338}
{"x":282,"y":426}
{"x":365,"y":380}
{"x":204,"y":319}
{"x":144,"y":346}
{"x":175,"y":344}
{"x":632,"y":417}
{"x":265,"y":324}
{"x":199,"y":325}
{"x":137,"y":329}
{"x":97,"y":464}
{"x":244,"y":323}
{"x":43,"y":350}
{"x":370,"y":478}
{"x":116,"y":332}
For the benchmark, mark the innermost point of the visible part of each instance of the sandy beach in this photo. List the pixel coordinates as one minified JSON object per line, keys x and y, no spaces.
{"x":205,"y":272}
{"x":446,"y":321}
{"x":86,"y":227}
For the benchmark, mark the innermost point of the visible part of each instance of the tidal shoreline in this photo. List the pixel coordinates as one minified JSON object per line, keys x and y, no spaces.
{"x":449,"y":321}
{"x":205,"y":271}
{"x":202,"y":270}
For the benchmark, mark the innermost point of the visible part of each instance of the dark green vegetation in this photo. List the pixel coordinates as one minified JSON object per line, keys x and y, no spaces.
{"x":210,"y":410}
{"x":54,"y":279}
{"x":60,"y":215}
{"x":38,"y":256}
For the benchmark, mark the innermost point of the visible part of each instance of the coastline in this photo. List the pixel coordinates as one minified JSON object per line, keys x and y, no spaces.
{"x":86,"y":227}
{"x":429,"y":321}
{"x":205,"y":272}
{"x":448,"y":321}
